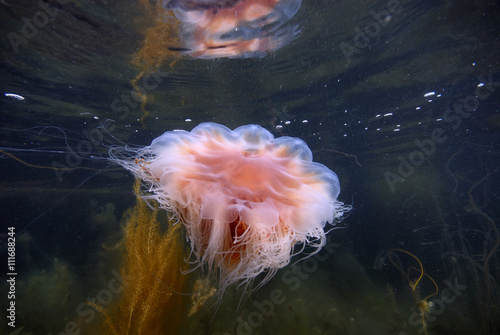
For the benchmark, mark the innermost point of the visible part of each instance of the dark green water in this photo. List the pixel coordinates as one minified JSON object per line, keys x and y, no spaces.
{"x":399,"y":98}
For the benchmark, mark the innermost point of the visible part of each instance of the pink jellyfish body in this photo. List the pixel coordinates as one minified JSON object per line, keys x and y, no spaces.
{"x":247,"y":199}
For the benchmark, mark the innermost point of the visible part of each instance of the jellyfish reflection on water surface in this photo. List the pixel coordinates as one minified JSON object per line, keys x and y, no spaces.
{"x":234,"y":28}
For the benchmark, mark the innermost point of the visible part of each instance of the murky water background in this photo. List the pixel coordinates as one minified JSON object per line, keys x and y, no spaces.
{"x":399,"y":98}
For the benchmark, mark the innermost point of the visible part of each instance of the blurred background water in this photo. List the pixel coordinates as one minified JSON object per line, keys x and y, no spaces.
{"x":399,"y":98}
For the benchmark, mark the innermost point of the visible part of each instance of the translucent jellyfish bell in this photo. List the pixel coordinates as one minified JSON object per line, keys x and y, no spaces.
{"x":245,"y":198}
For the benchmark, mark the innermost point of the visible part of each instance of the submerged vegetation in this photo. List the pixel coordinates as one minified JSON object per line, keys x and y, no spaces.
{"x":153,"y":300}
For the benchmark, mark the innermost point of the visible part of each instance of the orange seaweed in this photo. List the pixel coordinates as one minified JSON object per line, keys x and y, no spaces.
{"x":161,"y":40}
{"x":151,"y":302}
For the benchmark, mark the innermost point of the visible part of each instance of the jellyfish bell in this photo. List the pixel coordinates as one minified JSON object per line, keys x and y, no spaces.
{"x":247,"y":199}
{"x":234,"y":28}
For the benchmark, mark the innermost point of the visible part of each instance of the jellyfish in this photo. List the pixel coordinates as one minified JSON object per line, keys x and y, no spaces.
{"x":234,"y":28}
{"x":248,"y":201}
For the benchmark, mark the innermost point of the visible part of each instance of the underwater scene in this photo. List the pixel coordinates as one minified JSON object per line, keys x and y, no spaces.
{"x":237,"y":167}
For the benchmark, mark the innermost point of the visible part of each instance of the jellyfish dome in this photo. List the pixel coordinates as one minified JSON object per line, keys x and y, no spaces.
{"x":234,"y":28}
{"x":248,"y":200}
